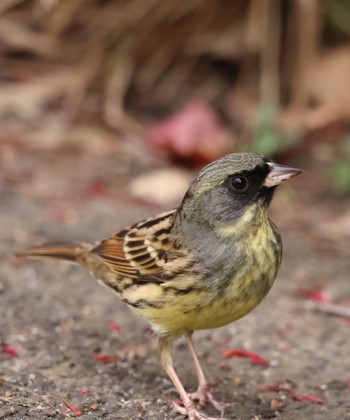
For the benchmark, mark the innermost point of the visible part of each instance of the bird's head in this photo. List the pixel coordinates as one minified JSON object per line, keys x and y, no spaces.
{"x":229,"y":187}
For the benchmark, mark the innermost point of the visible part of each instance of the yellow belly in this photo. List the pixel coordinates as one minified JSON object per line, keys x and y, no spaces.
{"x":177,"y":313}
{"x":204,"y":310}
{"x":171,"y":310}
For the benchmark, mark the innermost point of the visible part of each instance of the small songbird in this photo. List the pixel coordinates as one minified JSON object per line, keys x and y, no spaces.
{"x":202,"y":265}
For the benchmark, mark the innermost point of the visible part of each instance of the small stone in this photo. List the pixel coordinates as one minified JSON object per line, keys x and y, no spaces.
{"x":276,"y":404}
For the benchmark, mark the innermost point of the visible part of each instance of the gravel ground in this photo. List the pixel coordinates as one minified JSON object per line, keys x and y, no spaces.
{"x":58,"y":319}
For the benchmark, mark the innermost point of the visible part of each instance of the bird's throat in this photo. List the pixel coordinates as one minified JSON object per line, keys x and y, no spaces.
{"x":249,"y":223}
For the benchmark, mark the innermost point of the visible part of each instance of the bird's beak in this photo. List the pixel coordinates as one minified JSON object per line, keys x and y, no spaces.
{"x":279,"y":174}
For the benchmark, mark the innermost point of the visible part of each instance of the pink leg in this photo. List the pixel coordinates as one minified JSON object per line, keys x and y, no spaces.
{"x":203,"y":393}
{"x":189,"y":410}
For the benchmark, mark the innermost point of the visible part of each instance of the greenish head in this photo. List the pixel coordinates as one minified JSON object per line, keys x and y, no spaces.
{"x":225,"y":189}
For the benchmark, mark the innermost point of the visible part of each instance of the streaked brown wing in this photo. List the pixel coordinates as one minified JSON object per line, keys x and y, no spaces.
{"x":139,"y":251}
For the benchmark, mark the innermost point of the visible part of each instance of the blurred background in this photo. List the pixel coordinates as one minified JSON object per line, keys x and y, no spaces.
{"x":130,"y":97}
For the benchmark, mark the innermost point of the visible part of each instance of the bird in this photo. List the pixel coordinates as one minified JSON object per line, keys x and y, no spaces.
{"x":202,"y":265}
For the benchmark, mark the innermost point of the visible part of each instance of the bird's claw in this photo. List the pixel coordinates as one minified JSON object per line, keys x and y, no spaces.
{"x":192,"y":413}
{"x":203,"y":394}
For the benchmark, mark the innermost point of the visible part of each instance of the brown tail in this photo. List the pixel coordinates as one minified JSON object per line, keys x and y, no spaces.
{"x":62,"y":252}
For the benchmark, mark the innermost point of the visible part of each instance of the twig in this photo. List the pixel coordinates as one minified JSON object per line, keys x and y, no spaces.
{"x":333,"y":309}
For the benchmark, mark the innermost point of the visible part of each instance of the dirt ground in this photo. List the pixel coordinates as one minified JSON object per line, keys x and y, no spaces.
{"x":58,"y":319}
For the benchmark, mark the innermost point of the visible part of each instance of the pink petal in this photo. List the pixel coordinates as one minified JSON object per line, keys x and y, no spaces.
{"x":84,"y":391}
{"x":115,"y":327}
{"x":254,"y":357}
{"x":72,"y":409}
{"x":314,"y":295}
{"x":10,"y":351}
{"x":105,"y":358}
{"x":308,"y":397}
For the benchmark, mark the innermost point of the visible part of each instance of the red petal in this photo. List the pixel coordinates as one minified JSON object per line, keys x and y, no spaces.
{"x":10,"y":351}
{"x":314,"y":295}
{"x":105,"y":358}
{"x":254,"y":357}
{"x":72,"y":409}
{"x":115,"y":327}
{"x":308,"y":397}
{"x":84,"y":391}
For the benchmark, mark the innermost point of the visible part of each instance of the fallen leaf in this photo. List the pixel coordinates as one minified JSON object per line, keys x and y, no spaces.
{"x":162,"y":186}
{"x":193,"y":133}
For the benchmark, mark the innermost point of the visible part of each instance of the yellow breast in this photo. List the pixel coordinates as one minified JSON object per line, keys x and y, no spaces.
{"x":170,"y":310}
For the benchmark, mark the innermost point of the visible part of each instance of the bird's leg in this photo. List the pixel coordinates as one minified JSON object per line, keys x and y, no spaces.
{"x":164,"y":348}
{"x":203,"y":393}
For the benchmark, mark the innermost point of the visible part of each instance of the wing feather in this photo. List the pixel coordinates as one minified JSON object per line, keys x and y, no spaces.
{"x":139,"y":251}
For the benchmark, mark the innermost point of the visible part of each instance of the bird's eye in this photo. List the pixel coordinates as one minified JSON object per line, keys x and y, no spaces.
{"x":238,"y":184}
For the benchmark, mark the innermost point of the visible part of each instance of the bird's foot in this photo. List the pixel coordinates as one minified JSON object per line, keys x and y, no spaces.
{"x":203,"y":395}
{"x":190,"y":411}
